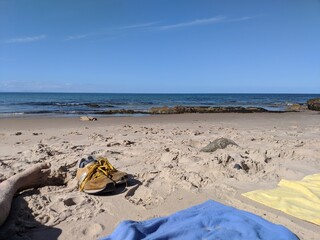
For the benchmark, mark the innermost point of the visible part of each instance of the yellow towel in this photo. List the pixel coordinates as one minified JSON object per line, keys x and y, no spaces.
{"x":297,"y":198}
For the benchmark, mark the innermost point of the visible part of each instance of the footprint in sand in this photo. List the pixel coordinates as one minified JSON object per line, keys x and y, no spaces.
{"x":62,"y":205}
{"x":98,"y":137}
{"x":54,"y":209}
{"x":144,"y":196}
{"x":92,"y":230}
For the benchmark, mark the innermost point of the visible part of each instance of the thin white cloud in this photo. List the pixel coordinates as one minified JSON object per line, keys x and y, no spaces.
{"x":204,"y":21}
{"x":154,"y":26}
{"x":26,"y":39}
{"x":141,"y":25}
{"x":240,"y":19}
{"x":113,"y":31}
{"x":194,"y":23}
{"x":77,"y":37}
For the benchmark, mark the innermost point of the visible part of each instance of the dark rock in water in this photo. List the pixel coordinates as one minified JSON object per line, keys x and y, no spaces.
{"x":203,"y":109}
{"x":109,"y":106}
{"x":219,"y":143}
{"x":160,"y":110}
{"x":237,"y":166}
{"x":296,"y":107}
{"x":185,"y":109}
{"x":119,"y":111}
{"x":93,"y":105}
{"x":314,"y":104}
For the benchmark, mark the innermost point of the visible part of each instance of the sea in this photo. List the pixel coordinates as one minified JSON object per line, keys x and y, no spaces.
{"x":75,"y":104}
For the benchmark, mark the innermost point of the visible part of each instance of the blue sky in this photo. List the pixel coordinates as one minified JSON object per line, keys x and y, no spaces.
{"x":160,"y":46}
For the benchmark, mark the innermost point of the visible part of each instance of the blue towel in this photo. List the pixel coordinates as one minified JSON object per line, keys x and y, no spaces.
{"x":209,"y":220}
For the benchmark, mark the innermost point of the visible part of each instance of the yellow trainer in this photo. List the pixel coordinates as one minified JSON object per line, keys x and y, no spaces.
{"x":117,"y":176}
{"x":93,"y":177}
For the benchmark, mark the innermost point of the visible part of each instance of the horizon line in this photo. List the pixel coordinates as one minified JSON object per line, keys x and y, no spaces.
{"x":148,"y":93}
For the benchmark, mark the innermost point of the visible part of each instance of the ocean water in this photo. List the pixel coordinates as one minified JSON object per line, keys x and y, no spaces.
{"x":74,"y":104}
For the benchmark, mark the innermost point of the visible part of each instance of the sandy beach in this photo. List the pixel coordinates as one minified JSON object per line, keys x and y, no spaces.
{"x":162,"y":153}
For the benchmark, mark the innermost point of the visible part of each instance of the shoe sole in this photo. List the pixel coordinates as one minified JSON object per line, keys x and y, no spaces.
{"x":110,"y":187}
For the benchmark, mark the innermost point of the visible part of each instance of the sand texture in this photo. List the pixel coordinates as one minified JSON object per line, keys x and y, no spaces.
{"x":162,"y":153}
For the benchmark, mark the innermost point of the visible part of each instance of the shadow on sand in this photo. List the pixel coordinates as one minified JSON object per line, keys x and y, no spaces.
{"x":123,"y":188}
{"x":21,"y":224}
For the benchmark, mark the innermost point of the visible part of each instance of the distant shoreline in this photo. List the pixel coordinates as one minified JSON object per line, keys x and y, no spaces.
{"x":152,"y":111}
{"x":77,"y":104}
{"x":163,"y":93}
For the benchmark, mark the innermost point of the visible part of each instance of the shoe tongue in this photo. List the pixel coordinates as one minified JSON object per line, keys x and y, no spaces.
{"x":85,"y":162}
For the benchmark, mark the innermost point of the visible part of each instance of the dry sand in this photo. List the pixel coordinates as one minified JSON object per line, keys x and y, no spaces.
{"x":162,"y":153}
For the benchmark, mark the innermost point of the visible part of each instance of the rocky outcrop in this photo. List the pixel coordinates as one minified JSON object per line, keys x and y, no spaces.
{"x":314,"y":104}
{"x":119,"y":111}
{"x":191,"y":109}
{"x":296,"y":107}
{"x":185,"y":109}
